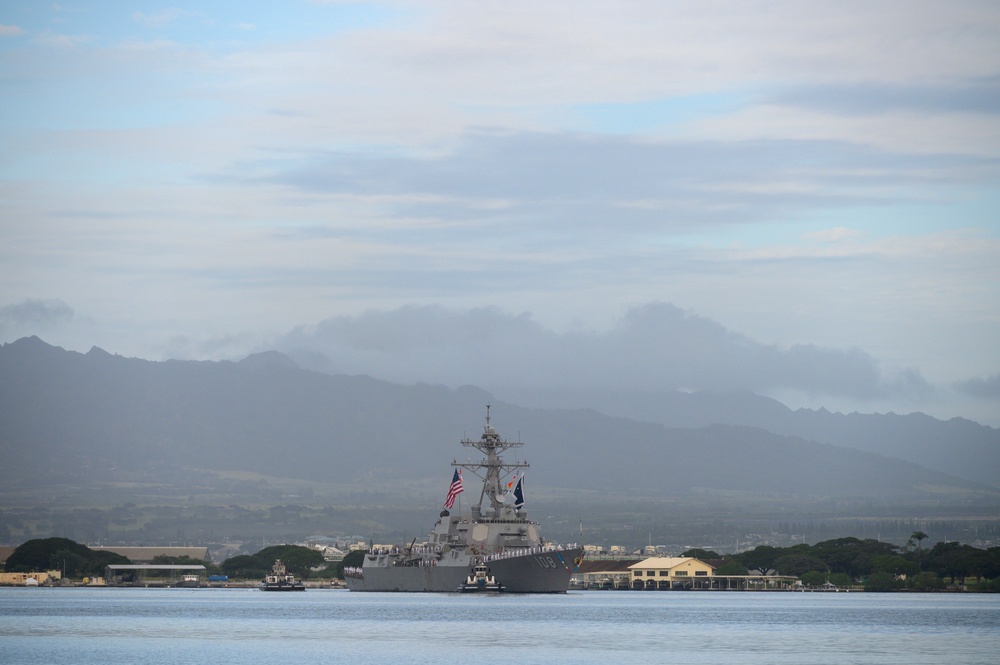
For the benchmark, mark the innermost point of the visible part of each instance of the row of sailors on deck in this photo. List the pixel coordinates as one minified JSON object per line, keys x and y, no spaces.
{"x":393,"y":551}
{"x":511,"y":552}
{"x":501,"y":554}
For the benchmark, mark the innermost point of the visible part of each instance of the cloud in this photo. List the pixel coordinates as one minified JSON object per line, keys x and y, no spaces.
{"x":802,"y":172}
{"x":160,"y":19}
{"x":135,"y":45}
{"x":35,"y":314}
{"x":652,"y":348}
{"x":538,"y":182}
{"x":10,"y":30}
{"x":62,"y":41}
{"x":985,"y":388}
{"x":834,"y":235}
{"x":560,"y":166}
{"x":977,"y":96}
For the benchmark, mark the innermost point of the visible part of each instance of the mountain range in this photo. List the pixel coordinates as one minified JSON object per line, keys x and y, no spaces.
{"x":68,"y":418}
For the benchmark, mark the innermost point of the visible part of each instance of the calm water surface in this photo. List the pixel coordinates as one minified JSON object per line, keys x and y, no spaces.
{"x":221,"y":626}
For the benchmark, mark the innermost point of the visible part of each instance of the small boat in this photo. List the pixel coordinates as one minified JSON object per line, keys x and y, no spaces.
{"x":281,"y":580}
{"x":189,"y":582}
{"x":481,"y":579}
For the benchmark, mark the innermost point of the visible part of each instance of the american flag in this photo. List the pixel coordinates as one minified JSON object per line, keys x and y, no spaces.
{"x":455,"y":489}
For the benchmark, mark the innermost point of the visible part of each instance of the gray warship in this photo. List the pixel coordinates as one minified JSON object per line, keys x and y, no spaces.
{"x":495,"y":532}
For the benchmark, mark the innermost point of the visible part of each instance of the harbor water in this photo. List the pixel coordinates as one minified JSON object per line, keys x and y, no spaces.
{"x":108,"y":626}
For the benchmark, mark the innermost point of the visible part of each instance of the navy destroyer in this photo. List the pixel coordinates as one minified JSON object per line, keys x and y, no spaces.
{"x":495,"y":532}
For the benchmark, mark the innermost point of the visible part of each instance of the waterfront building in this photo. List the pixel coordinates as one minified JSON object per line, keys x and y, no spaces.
{"x":674,"y":572}
{"x":30,"y":579}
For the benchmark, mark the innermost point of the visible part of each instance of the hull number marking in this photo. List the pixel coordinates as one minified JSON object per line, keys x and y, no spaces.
{"x":546,"y":562}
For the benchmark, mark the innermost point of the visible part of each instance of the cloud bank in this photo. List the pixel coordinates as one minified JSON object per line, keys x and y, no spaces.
{"x":985,"y":388}
{"x":814,"y":186}
{"x":652,"y":348}
{"x":31,"y":317}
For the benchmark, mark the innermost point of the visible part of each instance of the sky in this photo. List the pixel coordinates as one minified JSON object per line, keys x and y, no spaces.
{"x":800,"y":199}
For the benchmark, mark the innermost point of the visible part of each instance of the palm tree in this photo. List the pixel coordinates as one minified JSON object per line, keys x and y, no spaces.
{"x":917,"y":536}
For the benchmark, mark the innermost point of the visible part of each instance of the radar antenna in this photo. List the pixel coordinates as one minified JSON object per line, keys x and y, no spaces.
{"x":492,"y":469}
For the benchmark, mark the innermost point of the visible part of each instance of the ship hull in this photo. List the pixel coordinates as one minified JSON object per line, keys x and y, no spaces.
{"x":282,"y":587}
{"x":543,"y":572}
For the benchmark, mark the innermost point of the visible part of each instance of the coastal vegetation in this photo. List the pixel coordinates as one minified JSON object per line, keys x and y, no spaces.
{"x":842,"y":562}
{"x":878,"y":566}
{"x":63,"y":554}
{"x":303,"y":562}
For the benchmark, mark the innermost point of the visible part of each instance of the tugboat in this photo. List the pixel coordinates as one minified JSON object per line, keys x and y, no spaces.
{"x":494,"y":532}
{"x":281,"y":580}
{"x":481,"y":580}
{"x":189,"y":582}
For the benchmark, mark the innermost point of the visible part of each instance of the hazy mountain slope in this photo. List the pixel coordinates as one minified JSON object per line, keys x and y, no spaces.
{"x":957,"y":447}
{"x":616,"y":453}
{"x":89,"y":411}
{"x":88,"y":416}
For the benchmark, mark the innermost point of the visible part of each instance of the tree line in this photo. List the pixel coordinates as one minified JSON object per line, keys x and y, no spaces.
{"x":75,"y":560}
{"x":878,"y":566}
{"x":843,"y":562}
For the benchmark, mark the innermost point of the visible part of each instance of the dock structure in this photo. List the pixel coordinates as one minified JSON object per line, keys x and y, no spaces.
{"x":135,"y":574}
{"x":671,"y":573}
{"x":727,"y":583}
{"x":603,"y":573}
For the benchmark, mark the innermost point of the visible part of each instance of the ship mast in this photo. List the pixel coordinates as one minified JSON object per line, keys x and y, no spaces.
{"x":493,"y":465}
